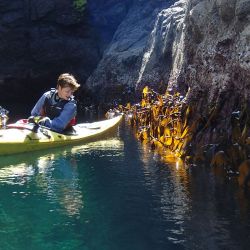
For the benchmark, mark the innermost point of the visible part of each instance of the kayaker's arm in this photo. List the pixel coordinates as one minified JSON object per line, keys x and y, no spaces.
{"x":37,"y":110}
{"x":60,"y":123}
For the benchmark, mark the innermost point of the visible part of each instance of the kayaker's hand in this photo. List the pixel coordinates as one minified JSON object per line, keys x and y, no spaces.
{"x":43,"y":120}
{"x":35,"y":119}
{"x":31,"y":119}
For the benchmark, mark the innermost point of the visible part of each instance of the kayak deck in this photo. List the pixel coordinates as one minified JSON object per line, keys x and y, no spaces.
{"x":23,"y":138}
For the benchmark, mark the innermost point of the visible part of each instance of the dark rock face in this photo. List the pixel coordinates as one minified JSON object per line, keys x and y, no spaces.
{"x":41,"y":39}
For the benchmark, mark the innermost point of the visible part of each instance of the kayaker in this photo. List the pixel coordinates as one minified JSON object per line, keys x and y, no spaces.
{"x":57,"y":107}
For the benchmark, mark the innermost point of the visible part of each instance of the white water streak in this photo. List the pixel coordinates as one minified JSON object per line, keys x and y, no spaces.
{"x":150,"y":50}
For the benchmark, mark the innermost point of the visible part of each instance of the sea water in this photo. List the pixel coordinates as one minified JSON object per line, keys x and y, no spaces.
{"x":116,"y":194}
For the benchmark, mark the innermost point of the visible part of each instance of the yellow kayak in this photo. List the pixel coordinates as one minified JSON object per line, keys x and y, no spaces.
{"x":22,"y":137}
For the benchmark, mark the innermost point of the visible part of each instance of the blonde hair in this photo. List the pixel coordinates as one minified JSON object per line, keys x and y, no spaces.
{"x":68,"y":80}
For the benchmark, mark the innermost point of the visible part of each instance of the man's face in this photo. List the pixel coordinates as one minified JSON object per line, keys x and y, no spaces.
{"x":65,"y":92}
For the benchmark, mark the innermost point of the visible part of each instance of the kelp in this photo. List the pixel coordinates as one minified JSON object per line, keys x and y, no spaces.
{"x":170,"y":124}
{"x":162,"y":120}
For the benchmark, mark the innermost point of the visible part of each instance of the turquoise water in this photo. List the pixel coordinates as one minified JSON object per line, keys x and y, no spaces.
{"x":114,"y":194}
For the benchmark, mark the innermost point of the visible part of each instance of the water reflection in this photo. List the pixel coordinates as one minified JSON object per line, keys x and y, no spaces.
{"x":16,"y":174}
{"x":116,"y":146}
{"x":169,"y":182}
{"x":54,"y":173}
{"x":195,"y":201}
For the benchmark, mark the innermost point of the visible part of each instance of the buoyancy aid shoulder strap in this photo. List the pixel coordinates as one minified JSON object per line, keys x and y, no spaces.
{"x":53,"y":95}
{"x":50,"y":94}
{"x":52,"y":90}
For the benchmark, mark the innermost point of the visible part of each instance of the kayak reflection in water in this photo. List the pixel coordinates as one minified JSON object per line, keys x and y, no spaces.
{"x":54,"y":173}
{"x":57,"y":108}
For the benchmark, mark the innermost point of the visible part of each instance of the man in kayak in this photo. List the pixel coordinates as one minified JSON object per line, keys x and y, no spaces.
{"x":57,"y":107}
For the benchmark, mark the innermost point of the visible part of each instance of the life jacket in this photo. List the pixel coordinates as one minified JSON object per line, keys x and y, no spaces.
{"x":53,"y":106}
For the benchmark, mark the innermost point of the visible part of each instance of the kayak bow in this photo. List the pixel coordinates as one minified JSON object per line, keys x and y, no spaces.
{"x":20,"y":137}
